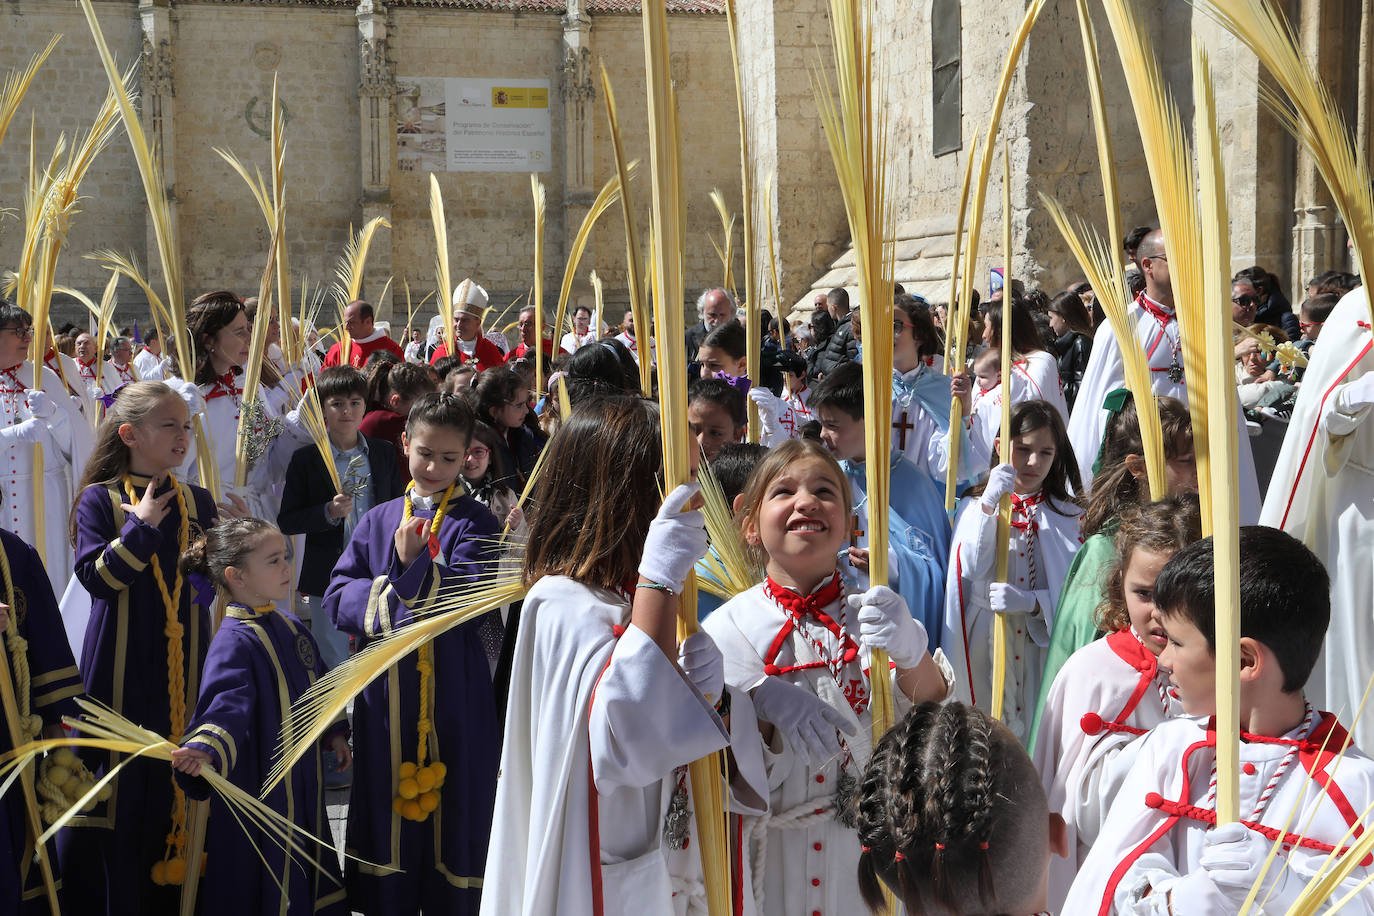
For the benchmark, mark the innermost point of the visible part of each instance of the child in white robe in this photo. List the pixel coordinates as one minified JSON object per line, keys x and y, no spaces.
{"x":801,"y":646}
{"x":1112,"y":690}
{"x":606,"y":711}
{"x":1160,"y":850}
{"x":953,"y":819}
{"x":1032,"y":376}
{"x":1039,"y":478}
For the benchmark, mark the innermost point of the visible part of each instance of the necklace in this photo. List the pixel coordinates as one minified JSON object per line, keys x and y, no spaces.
{"x":417,"y":787}
{"x":173,"y":862}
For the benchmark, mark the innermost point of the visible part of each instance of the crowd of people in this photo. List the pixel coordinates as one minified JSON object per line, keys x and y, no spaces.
{"x":534,"y":759}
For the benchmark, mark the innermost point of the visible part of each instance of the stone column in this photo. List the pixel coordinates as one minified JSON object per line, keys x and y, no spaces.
{"x":157,"y":101}
{"x":577,"y":89}
{"x":377,"y":136}
{"x":1318,"y":234}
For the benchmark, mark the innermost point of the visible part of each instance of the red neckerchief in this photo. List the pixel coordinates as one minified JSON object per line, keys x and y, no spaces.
{"x":87,"y":369}
{"x":226,"y":386}
{"x":125,"y":372}
{"x":1024,"y":508}
{"x":805,"y":610}
{"x":1155,"y":309}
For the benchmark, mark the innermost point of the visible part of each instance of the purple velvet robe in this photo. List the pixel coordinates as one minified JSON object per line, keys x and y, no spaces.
{"x":371,"y":595}
{"x":53,"y":682}
{"x":257,"y":667}
{"x":108,"y":854}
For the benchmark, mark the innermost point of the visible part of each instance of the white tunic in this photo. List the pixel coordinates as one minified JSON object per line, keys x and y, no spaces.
{"x":1034,"y":377}
{"x":572,"y":342}
{"x":1082,"y":763}
{"x":113,"y":377}
{"x":968,"y":614}
{"x":585,"y":703}
{"x":220,"y":420}
{"x":1139,"y":847}
{"x":148,"y":366}
{"x":803,"y":860}
{"x":1106,"y":372}
{"x":632,"y":345}
{"x":65,"y":439}
{"x":1322,"y":493}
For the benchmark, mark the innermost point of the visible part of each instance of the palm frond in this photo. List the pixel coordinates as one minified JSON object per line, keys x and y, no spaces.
{"x":354,"y":260}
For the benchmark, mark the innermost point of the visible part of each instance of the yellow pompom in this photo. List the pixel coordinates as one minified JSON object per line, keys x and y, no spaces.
{"x":425,"y":779}
{"x":408,"y":789}
{"x":412,"y":811}
{"x":176,"y":871}
{"x":408,"y":770}
{"x":439,"y":771}
{"x":429,"y":801}
{"x":160,"y":873}
{"x":104,"y":793}
{"x":59,"y":775}
{"x":88,"y":807}
{"x":397,"y":804}
{"x":65,"y":757}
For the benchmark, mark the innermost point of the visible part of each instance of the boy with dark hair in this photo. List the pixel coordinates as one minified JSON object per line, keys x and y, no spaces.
{"x":1160,"y":845}
{"x":370,"y":476}
{"x":918,"y":528}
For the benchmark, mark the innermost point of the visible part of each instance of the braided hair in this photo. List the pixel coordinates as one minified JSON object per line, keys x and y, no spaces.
{"x":944,"y":811}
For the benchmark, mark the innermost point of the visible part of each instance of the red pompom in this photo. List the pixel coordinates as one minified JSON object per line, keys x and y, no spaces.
{"x":1091,"y":723}
{"x":1153,"y":800}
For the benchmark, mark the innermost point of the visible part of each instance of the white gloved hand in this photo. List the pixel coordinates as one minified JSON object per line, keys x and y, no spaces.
{"x":28,"y":431}
{"x":166,"y":368}
{"x":1001,"y":480}
{"x":886,"y":623}
{"x":770,"y":408}
{"x":1232,"y":858}
{"x":703,"y":664}
{"x":40,"y":405}
{"x":807,"y":724}
{"x":190,"y":393}
{"x":1008,"y":599}
{"x":676,"y":540}
{"x":1358,"y":394}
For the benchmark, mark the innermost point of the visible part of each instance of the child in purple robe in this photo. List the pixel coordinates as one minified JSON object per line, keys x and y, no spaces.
{"x":425,"y":736}
{"x":28,"y":610}
{"x":260,"y":663}
{"x":144,"y":646}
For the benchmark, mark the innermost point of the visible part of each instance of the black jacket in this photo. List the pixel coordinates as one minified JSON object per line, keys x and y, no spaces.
{"x":1072,"y":350}
{"x":309,"y":490}
{"x":693,"y":338}
{"x":841,"y":348}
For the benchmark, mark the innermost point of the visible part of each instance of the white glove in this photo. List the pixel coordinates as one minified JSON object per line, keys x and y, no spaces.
{"x":29,"y":431}
{"x":40,"y":405}
{"x":676,"y":540}
{"x":886,"y":623}
{"x":1008,"y":599}
{"x":295,"y":427}
{"x":1232,"y":858}
{"x":770,"y":408}
{"x":190,"y":393}
{"x":703,"y":664}
{"x":1358,"y":395}
{"x":1001,"y":480}
{"x":807,"y":724}
{"x":166,"y":368}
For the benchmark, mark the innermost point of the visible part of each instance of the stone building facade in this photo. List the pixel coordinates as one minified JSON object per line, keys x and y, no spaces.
{"x":1281,"y":215}
{"x":206,"y":82}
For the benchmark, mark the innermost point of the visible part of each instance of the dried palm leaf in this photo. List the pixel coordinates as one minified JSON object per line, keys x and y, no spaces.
{"x":1001,"y":631}
{"x":729,"y":562}
{"x":634,"y":263}
{"x":956,"y":340}
{"x":16,"y":85}
{"x":608,"y":195}
{"x":540,"y":203}
{"x":443,"y":277}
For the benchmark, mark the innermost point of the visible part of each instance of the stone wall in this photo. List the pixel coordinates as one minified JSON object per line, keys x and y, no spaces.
{"x":215,"y":63}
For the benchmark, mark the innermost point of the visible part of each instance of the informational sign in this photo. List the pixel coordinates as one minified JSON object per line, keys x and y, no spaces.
{"x":473,"y":125}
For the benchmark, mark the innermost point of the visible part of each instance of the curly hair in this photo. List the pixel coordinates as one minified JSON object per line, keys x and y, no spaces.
{"x":1164,"y":527}
{"x":1115,"y":490}
{"x":946,"y":811}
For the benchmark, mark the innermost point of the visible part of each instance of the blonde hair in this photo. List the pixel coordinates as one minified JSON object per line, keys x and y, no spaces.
{"x":773,"y":465}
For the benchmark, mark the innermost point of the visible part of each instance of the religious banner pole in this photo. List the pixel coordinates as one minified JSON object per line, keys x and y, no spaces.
{"x":669,"y":227}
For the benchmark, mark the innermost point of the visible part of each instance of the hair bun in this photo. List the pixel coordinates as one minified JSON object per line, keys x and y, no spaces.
{"x":196,"y":557}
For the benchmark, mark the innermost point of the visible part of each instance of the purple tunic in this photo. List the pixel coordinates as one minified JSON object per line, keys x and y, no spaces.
{"x":108,"y":855}
{"x":258,"y":665}
{"x":53,"y":682}
{"x":371,"y":595}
